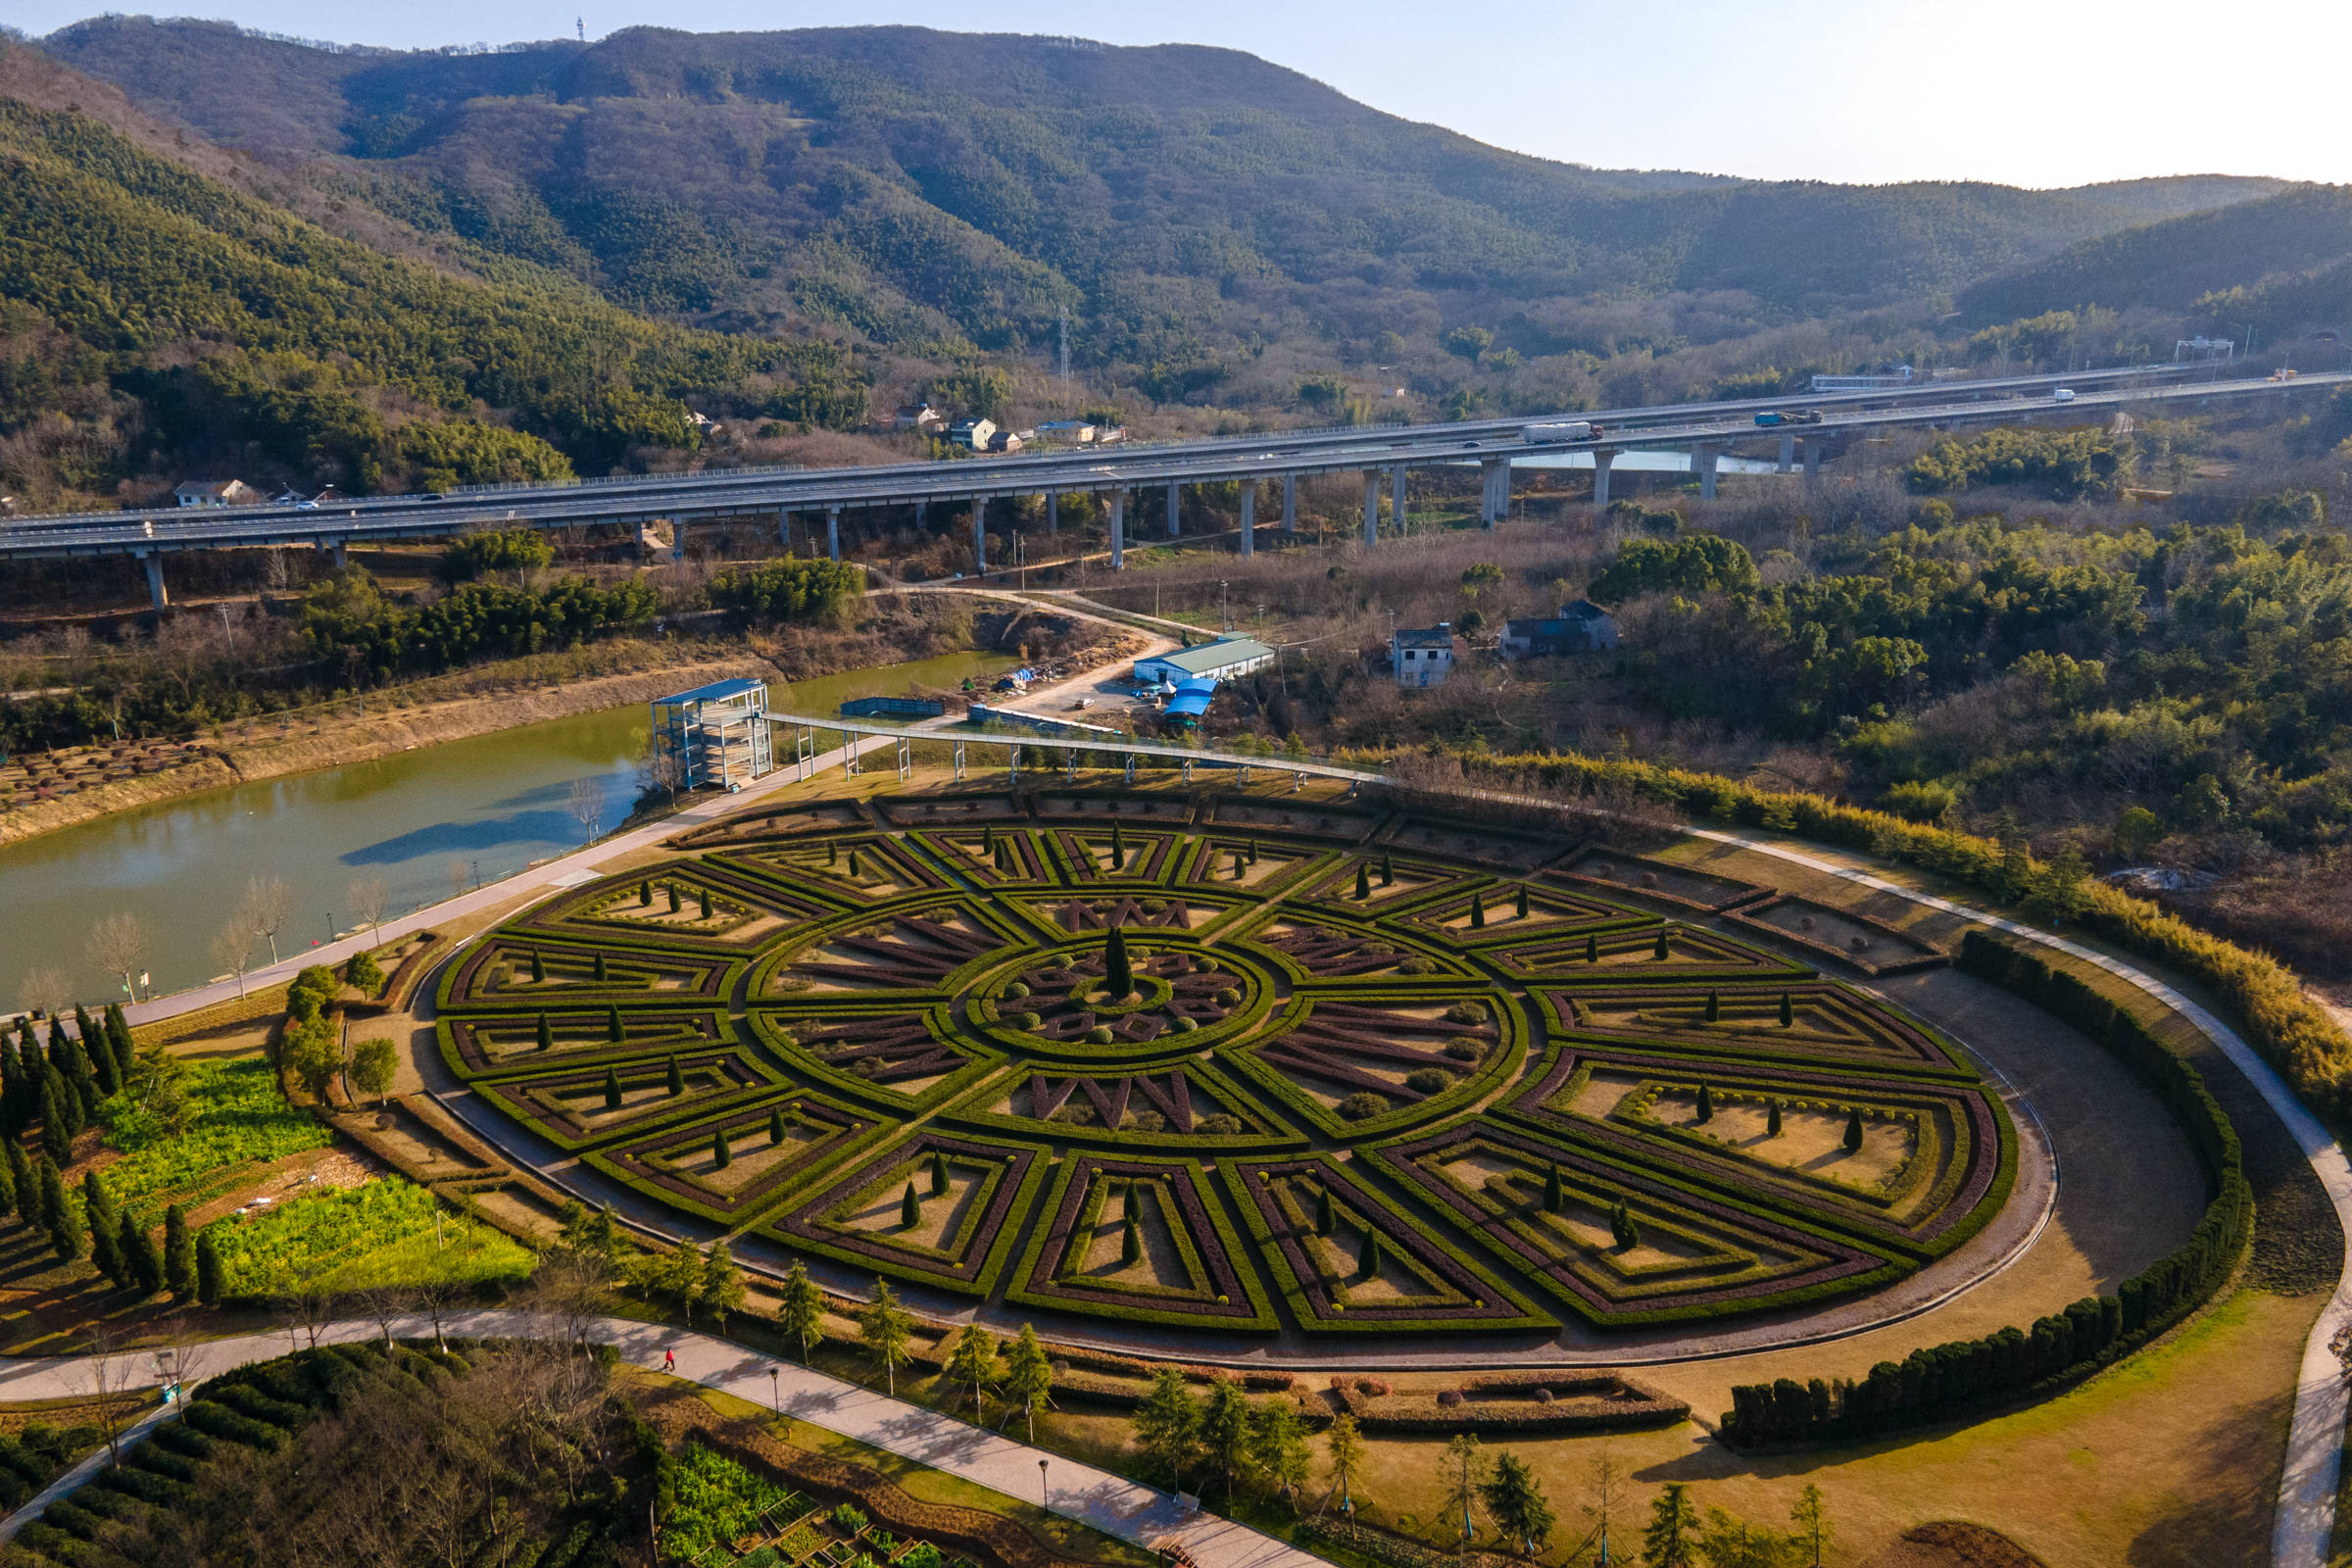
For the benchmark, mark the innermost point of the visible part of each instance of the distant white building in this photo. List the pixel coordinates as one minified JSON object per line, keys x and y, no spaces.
{"x":1076,"y":432}
{"x":974,"y":434}
{"x":1422,"y":658}
{"x":917,"y":417}
{"x":216,"y":493}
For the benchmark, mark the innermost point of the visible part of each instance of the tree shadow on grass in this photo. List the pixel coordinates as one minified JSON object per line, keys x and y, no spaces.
{"x":2230,"y":1517}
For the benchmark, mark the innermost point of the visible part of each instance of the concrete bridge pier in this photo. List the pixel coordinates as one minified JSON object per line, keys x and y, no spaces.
{"x":980,"y":535}
{"x":1289,"y":503}
{"x":833,"y":532}
{"x":1053,"y":511}
{"x":677,"y":541}
{"x":784,"y":531}
{"x":1495,"y":504}
{"x":1119,"y":530}
{"x":1704,"y":455}
{"x":1812,"y":460}
{"x":336,"y":551}
{"x":1249,"y":518}
{"x":1788,"y":451}
{"x":1175,"y":511}
{"x":1396,"y":499}
{"x":1601,"y":464}
{"x":1371,"y":508}
{"x":157,"y":593}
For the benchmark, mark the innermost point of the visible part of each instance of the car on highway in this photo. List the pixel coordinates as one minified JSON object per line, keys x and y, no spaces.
{"x":2065,"y":394}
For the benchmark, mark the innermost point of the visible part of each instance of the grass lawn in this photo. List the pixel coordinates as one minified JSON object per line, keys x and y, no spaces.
{"x":239,"y":1122}
{"x":348,"y":1237}
{"x":926,"y":1485}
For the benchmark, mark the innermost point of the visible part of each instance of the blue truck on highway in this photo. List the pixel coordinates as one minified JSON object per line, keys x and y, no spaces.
{"x":1789,"y":417}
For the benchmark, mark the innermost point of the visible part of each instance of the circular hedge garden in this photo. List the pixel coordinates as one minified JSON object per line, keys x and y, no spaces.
{"x":1235,"y":1065}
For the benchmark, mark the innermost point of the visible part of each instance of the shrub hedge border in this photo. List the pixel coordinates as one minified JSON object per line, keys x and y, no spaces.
{"x":1555,"y":1000}
{"x":1032,"y":1283}
{"x":1971,"y":1377}
{"x":1009,"y":1205}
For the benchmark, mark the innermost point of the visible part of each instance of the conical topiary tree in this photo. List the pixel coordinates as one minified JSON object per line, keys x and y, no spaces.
{"x":1772,"y":1119}
{"x":208,"y":1268}
{"x":1363,"y":882}
{"x":1368,"y":1260}
{"x":1118,"y":850}
{"x":910,"y":1209}
{"x":538,"y":968}
{"x":1388,"y":870}
{"x":1237,"y":865}
{"x":1706,"y":1103}
{"x":1853,"y":1130}
{"x":1591,"y":950}
{"x":677,"y":1078}
{"x":1555,"y":1198}
{"x":1659,"y":952}
{"x":706,"y":904}
{"x":1325,"y":1220}
{"x":611,"y":1089}
{"x":857,"y":865}
{"x":645,"y":894}
{"x":1118,"y":975}
{"x":672,"y":889}
{"x":600,"y":969}
{"x":179,"y":1255}
{"x":1131,"y":1240}
{"x":1522,"y":903}
{"x":1622,"y":1228}
{"x":613,"y":1029}
{"x":547,"y":1034}
{"x":1478,"y":910}
{"x":721,"y":1157}
{"x":938,"y":1174}
{"x":1714,"y":1006}
{"x":1788,"y":1012}
{"x":776,"y":1127}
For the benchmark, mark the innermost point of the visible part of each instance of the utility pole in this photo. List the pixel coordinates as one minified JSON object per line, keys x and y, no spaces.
{"x":1065,"y":357}
{"x":1224,"y":605}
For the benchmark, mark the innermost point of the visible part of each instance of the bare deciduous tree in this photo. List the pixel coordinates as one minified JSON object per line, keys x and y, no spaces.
{"x":588,"y":803}
{"x":368,"y":897}
{"x":269,"y":901}
{"x":116,"y":1390}
{"x":118,"y":945}
{"x":307,"y":1311}
{"x":387,"y":1305}
{"x":232,"y":950}
{"x":47,"y":988}
{"x":458,"y":878}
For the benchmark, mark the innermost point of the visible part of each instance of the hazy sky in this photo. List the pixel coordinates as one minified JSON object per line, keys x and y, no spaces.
{"x":2029,"y":92}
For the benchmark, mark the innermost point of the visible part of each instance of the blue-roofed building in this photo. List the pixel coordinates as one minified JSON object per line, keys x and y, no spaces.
{"x":1191,"y":700}
{"x":715,"y":736}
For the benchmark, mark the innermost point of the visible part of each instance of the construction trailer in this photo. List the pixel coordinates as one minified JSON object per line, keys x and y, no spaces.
{"x":715,"y":736}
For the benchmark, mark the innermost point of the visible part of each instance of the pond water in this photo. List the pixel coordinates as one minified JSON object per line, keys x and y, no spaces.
{"x":428,"y":822}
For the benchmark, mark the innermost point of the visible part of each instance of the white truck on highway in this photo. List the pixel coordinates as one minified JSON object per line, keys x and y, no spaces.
{"x":1561,"y":430}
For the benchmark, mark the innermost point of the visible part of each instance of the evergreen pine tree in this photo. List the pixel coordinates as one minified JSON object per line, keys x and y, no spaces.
{"x":52,"y":1195}
{"x":179,"y":1255}
{"x":117,"y":1030}
{"x":8,"y":1183}
{"x":611,"y":1089}
{"x":938,"y":1174}
{"x":1622,"y":1228}
{"x":66,"y":1233}
{"x":1478,"y":910}
{"x":613,"y":1030}
{"x":547,"y":1034}
{"x":1363,"y":882}
{"x":600,"y":969}
{"x":139,"y":1261}
{"x":645,"y":894}
{"x":1659,"y":952}
{"x":706,"y":904}
{"x":57,"y":1133}
{"x":1131,"y":1240}
{"x":988,"y":844}
{"x":1592,"y":949}
{"x":1853,"y":1130}
{"x":1772,"y":1119}
{"x":23,"y":1184}
{"x":721,"y":1157}
{"x":857,"y":865}
{"x":1388,"y":870}
{"x":677,"y":1079}
{"x":1714,"y":1006}
{"x":910,"y":1209}
{"x":101,"y":1051}
{"x":1367,"y":1262}
{"x":1706,"y":1103}
{"x":208,"y":1268}
{"x":671,"y":888}
{"x":1118,"y":975}
{"x":538,"y":968}
{"x":16,"y":1105}
{"x":1555,"y":1198}
{"x":1325,"y":1220}
{"x":1118,"y":850}
{"x":1522,"y":906}
{"x":775,"y":1129}
{"x":1788,"y":1012}
{"x":832,"y":855}
{"x":106,"y":1231}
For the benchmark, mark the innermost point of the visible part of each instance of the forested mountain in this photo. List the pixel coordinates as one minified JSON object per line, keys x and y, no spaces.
{"x":2173,"y":265}
{"x":151,"y":314}
{"x":942,"y":192}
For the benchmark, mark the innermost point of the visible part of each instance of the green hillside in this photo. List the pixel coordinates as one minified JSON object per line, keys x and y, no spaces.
{"x":1189,"y":205}
{"x":2171,"y":265}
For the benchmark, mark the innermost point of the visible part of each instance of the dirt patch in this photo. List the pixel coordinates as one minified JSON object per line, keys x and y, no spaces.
{"x":1954,"y":1544}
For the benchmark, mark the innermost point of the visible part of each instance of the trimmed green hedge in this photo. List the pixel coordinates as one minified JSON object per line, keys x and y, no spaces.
{"x":1968,"y":1377}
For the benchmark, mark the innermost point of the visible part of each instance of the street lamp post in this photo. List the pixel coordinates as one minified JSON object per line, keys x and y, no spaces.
{"x":1045,"y":1488}
{"x":775,"y":1389}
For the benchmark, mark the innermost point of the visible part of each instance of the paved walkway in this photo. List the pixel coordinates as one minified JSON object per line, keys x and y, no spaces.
{"x":1109,"y":1504}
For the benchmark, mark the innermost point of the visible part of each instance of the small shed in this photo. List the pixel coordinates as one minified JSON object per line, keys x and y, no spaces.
{"x":214,"y":493}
